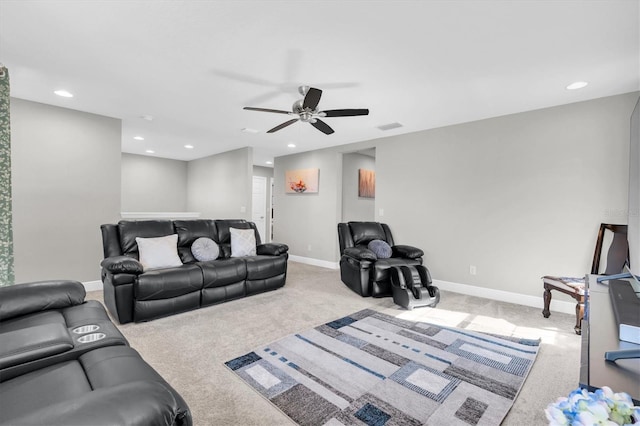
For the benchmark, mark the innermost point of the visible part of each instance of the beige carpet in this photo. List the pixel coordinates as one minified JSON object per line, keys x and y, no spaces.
{"x":190,"y":349}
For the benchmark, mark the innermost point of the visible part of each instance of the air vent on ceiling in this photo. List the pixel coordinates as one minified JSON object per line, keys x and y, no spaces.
{"x":390,"y":126}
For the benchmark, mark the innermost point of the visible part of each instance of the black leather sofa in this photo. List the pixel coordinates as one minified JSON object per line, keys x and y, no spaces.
{"x":132,"y":294}
{"x":63,"y":362}
{"x":360,"y":268}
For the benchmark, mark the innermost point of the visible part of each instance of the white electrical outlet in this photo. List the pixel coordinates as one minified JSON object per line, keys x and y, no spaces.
{"x":309,"y":247}
{"x":472,"y":269}
{"x":380,"y":212}
{"x":243,"y":209}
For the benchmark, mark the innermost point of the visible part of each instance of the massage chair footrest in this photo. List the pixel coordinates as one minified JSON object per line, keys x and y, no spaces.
{"x":411,"y":287}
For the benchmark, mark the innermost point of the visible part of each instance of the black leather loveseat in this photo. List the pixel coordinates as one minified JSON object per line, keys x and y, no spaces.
{"x":133,"y":294}
{"x":63,"y":362}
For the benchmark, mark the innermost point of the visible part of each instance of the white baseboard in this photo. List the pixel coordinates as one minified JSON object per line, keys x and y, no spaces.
{"x":506,"y":296}
{"x":92,"y":285}
{"x":314,"y":262}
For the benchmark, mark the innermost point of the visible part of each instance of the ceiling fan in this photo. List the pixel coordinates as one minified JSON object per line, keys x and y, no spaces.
{"x":306,"y":110}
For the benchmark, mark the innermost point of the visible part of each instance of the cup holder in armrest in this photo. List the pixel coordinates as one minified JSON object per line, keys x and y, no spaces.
{"x":84,"y":329}
{"x":93,"y":337}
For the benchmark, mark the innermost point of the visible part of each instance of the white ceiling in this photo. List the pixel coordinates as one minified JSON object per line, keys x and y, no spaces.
{"x":193,"y":65}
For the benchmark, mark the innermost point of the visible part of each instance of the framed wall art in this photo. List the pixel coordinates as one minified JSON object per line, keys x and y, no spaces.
{"x":366,"y":183}
{"x":301,"y":181}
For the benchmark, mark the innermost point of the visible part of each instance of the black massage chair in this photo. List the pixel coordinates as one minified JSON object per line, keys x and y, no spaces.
{"x":411,"y":286}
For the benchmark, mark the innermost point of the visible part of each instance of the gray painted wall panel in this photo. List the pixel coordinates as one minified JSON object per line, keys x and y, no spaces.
{"x":66,"y":182}
{"x":220,"y":185}
{"x":151,"y":184}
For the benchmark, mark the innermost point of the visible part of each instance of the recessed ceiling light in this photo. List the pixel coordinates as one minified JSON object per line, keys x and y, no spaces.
{"x":63,"y":93}
{"x":150,"y":151}
{"x":577,"y":85}
{"x":189,"y":146}
{"x":269,"y":162}
{"x":147,"y":117}
{"x":138,"y":138}
{"x":292,"y":145}
{"x":249,"y":130}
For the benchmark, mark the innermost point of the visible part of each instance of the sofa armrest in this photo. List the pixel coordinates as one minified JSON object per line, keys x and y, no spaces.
{"x":122,"y":265}
{"x":27,"y":298}
{"x":360,"y":253}
{"x":135,"y":403}
{"x":407,"y":252}
{"x":272,"y":249}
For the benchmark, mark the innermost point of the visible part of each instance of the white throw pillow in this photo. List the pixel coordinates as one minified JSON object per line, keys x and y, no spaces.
{"x":243,"y":242}
{"x":205,"y":249}
{"x":158,"y":253}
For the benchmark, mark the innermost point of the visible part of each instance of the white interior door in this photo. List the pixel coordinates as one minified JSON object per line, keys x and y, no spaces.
{"x":259,"y":203}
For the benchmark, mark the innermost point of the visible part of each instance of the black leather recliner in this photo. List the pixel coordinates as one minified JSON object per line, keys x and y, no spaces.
{"x":360,"y":269}
{"x":63,"y":362}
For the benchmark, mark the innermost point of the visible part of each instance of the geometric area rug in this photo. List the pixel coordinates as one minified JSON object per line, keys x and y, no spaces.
{"x":370,"y":368}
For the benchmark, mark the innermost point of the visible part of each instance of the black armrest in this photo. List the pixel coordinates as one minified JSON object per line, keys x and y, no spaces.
{"x":272,"y":249}
{"x":135,"y":403}
{"x":27,"y":298}
{"x":407,"y":252}
{"x":122,"y":265}
{"x":36,"y":342}
{"x":360,"y":253}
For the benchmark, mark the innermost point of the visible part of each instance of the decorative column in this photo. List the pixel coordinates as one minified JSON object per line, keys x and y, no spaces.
{"x":6,"y":229}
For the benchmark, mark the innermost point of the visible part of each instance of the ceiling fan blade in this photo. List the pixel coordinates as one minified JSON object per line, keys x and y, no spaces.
{"x":278,"y":111}
{"x":322,"y":126}
{"x":312,"y":98}
{"x":345,"y":112}
{"x":283,"y":125}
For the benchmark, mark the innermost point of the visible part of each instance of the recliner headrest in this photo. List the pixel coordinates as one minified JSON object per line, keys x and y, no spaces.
{"x":363,"y":232}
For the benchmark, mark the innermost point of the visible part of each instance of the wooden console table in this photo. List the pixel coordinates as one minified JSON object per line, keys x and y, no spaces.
{"x":599,"y":335}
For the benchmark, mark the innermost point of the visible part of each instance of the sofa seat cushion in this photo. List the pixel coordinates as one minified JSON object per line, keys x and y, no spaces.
{"x":50,"y":385}
{"x":261,"y":267}
{"x":220,"y":272}
{"x":119,"y":368}
{"x":168,"y":283}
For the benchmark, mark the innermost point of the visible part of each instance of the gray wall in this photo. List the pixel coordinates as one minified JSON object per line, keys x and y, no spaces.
{"x":219,"y":186}
{"x":151,"y":184}
{"x":355,"y":207}
{"x":518,"y":196}
{"x":66,"y":182}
